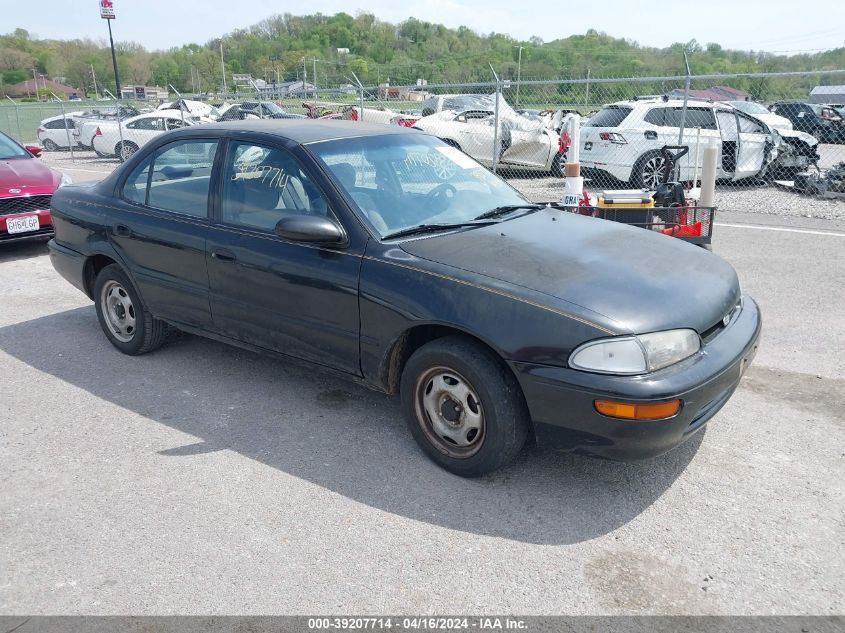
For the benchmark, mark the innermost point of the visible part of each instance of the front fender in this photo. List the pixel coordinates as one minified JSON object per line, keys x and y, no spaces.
{"x":399,"y":292}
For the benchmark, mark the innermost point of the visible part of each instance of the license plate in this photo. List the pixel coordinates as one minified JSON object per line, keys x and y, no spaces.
{"x":22,"y":225}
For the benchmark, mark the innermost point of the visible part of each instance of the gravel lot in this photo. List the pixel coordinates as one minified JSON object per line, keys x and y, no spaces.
{"x":205,"y":479}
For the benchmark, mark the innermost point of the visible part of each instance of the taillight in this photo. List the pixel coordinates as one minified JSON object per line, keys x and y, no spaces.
{"x":354,"y":115}
{"x":613,"y":137}
{"x":563,"y":142}
{"x":40,"y":130}
{"x":98,"y":132}
{"x":406,"y":122}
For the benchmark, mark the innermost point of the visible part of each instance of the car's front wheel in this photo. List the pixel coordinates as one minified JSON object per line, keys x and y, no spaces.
{"x":125,"y":150}
{"x":126,"y":323}
{"x":463,"y":406}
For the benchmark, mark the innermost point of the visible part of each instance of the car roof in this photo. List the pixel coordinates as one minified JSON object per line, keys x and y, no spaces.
{"x":660,"y":101}
{"x":159,"y":113}
{"x":304,"y":131}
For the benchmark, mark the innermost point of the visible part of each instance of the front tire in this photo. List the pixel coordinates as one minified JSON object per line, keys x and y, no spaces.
{"x":463,"y":406}
{"x":125,"y":321}
{"x":558,"y":165}
{"x":125,"y":150}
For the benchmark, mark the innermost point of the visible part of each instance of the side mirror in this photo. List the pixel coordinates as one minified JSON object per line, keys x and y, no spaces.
{"x":310,"y":228}
{"x":35,"y":150}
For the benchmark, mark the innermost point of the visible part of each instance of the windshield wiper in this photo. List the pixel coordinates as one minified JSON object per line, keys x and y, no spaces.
{"x":492,"y":213}
{"x":432,"y":228}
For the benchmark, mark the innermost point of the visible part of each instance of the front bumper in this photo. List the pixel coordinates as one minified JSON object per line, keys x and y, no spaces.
{"x":45,"y":224}
{"x":560,"y":400}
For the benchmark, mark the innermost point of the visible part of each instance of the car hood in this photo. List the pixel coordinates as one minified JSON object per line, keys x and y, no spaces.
{"x":811,"y":140}
{"x":624,"y":278}
{"x":30,"y":175}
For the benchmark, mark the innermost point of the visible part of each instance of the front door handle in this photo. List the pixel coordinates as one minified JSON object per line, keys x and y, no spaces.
{"x":223,"y":255}
{"x":121,"y":230}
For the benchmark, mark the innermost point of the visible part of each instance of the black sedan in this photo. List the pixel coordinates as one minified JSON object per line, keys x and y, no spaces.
{"x":391,"y":257}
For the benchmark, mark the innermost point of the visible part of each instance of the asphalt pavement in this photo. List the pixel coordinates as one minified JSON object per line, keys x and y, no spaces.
{"x":205,"y":479}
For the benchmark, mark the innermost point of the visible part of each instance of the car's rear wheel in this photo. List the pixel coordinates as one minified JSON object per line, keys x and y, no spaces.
{"x":463,"y":406}
{"x":125,"y":321}
{"x":649,"y":171}
{"x":50,"y":145}
{"x":125,"y":150}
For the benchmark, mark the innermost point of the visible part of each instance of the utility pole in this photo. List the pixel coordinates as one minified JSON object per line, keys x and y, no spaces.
{"x":35,"y":80}
{"x":518,"y":73}
{"x":114,"y":63}
{"x":94,"y":79}
{"x":587,"y":93}
{"x":223,"y":67}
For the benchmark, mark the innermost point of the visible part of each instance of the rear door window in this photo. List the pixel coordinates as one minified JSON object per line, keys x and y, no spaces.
{"x":176,"y":178}
{"x":655,"y":116}
{"x":610,"y":116}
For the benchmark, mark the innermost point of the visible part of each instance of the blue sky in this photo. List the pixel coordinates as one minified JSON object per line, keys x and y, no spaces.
{"x":773,"y":25}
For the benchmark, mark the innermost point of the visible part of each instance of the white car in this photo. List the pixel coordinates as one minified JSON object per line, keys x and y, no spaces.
{"x":137,"y":131}
{"x":624,"y":140}
{"x":796,"y":150}
{"x":762,"y":113}
{"x":195,"y":109}
{"x":52,"y":133}
{"x":371,"y":115}
{"x":531,"y":144}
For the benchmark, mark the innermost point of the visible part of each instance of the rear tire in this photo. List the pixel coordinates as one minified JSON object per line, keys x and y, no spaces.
{"x":648,"y":171}
{"x":127,"y":324}
{"x":51,"y":146}
{"x":463,"y":406}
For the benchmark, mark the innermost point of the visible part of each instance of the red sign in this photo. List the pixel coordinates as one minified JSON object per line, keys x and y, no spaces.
{"x":107,"y":9}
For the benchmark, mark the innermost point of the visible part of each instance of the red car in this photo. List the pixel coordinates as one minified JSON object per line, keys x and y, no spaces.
{"x":26,"y":187}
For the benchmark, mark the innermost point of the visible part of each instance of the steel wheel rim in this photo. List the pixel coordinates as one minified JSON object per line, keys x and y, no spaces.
{"x":126,"y":151}
{"x":652,"y":171}
{"x":118,"y":311}
{"x":449,"y":412}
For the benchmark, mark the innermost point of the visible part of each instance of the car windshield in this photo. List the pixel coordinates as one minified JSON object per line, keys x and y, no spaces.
{"x":272,"y":108}
{"x":401,"y":181}
{"x":749,"y":107}
{"x":10,"y":149}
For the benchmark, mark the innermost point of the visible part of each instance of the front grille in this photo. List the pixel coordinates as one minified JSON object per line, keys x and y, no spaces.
{"x":24,"y":204}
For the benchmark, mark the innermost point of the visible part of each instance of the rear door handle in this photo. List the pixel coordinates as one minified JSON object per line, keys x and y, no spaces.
{"x":223,"y":255}
{"x":650,"y":135}
{"x":121,"y":230}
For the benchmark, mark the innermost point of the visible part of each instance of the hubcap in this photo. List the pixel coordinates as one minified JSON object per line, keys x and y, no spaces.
{"x":449,"y":412}
{"x":118,"y":311}
{"x":126,"y":151}
{"x":653,"y":171}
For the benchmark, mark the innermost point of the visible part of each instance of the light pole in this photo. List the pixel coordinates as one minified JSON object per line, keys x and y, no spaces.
{"x":518,"y":72}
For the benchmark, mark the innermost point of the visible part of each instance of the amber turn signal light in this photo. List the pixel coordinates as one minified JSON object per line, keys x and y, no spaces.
{"x":635,"y":411}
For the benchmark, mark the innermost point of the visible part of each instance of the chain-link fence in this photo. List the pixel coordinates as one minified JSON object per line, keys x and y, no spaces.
{"x":770,"y":137}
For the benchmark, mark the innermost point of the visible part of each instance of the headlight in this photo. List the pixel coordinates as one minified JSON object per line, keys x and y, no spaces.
{"x":631,"y":355}
{"x":66,"y":180}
